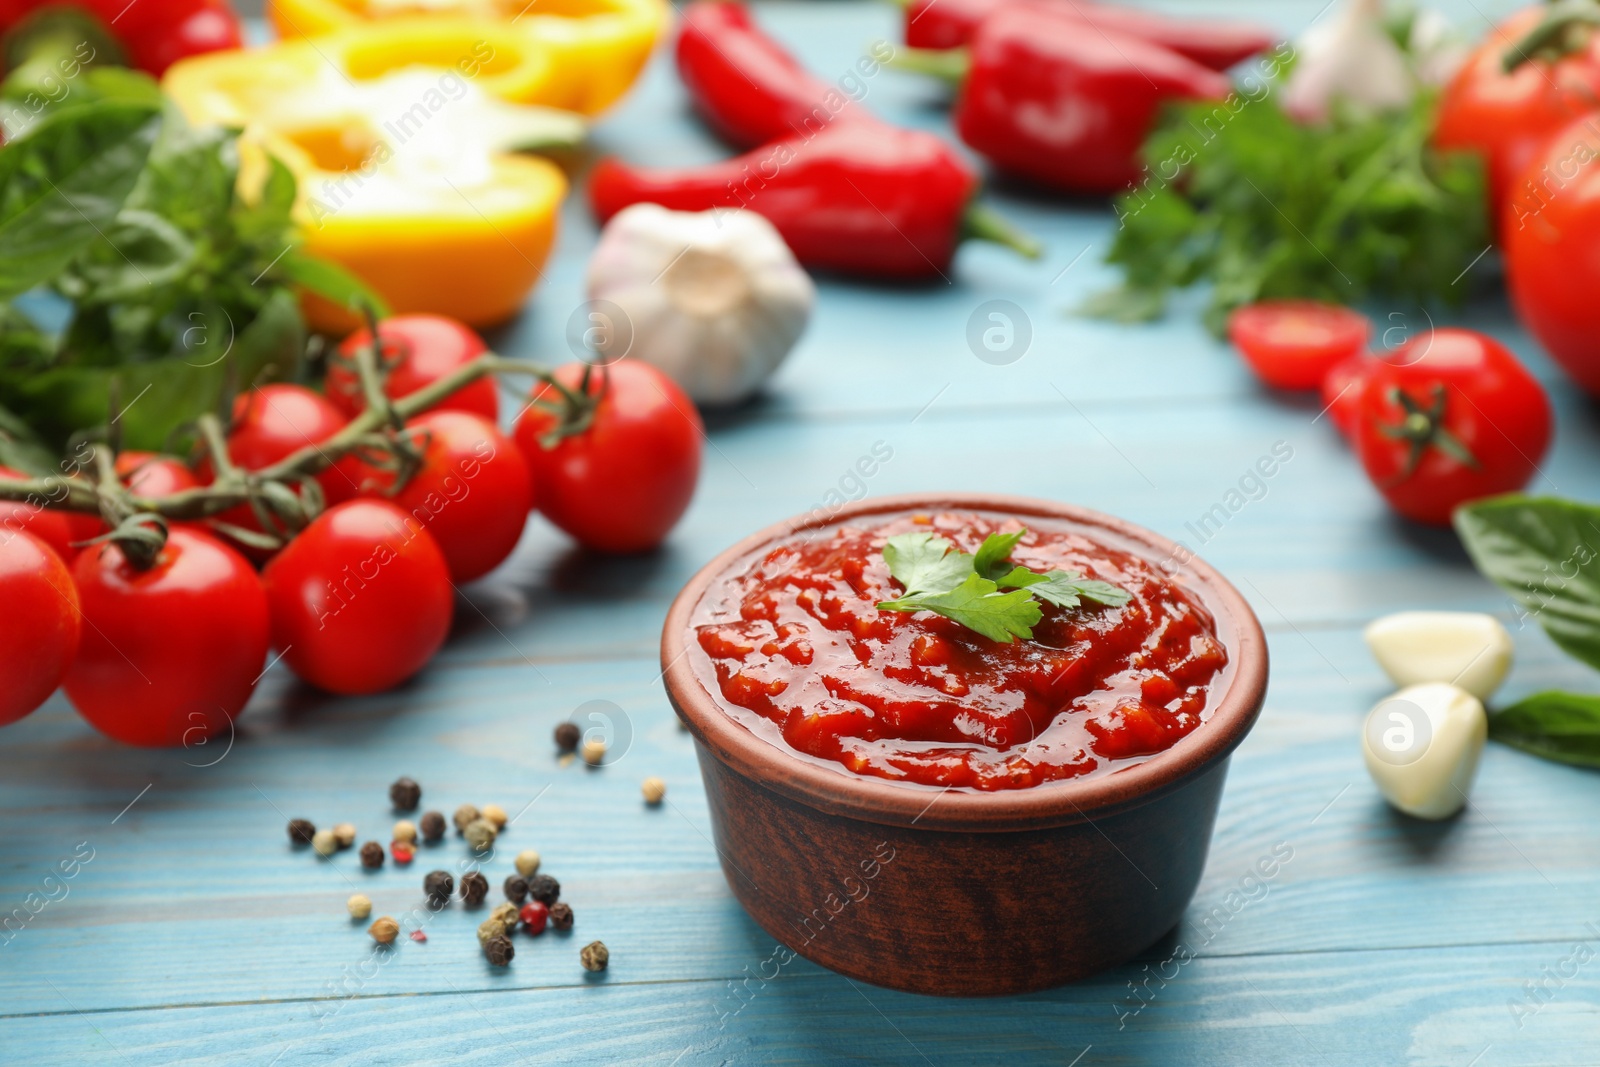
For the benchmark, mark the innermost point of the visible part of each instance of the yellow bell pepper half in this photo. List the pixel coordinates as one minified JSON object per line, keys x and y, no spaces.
{"x":404,"y":155}
{"x":598,"y":46}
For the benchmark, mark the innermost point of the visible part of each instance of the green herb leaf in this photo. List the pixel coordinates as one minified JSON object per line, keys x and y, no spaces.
{"x":1564,"y":727}
{"x":925,"y":563}
{"x":1545,"y":552}
{"x":331,"y":282}
{"x":991,"y":559}
{"x":978,"y":605}
{"x":1064,"y":589}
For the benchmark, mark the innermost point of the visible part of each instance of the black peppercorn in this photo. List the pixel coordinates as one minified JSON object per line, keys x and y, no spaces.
{"x":567,"y":737}
{"x":544,"y":889}
{"x":301,"y":831}
{"x":561,"y":916}
{"x":405,"y":794}
{"x":438,"y":885}
{"x":372,"y":855}
{"x":516,"y":889}
{"x":499,"y":950}
{"x":432,"y":827}
{"x":474,"y":887}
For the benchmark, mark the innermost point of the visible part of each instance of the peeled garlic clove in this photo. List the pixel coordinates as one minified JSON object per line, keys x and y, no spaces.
{"x":1422,"y":745}
{"x":1464,"y":648}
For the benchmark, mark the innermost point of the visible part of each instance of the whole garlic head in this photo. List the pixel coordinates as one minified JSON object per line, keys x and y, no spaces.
{"x":713,"y":299}
{"x":1421,"y":747}
{"x":1350,"y":57}
{"x":1464,"y":648}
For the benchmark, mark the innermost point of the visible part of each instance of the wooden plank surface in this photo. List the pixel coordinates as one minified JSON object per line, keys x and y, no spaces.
{"x":195,"y":935}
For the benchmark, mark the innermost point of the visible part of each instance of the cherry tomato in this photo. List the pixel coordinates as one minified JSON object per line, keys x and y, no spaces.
{"x":621,"y":484}
{"x":54,"y":528}
{"x":418,"y":350}
{"x":472,"y":493}
{"x":1450,"y":417}
{"x":272,"y":422}
{"x":1292,"y":344}
{"x":39,"y":626}
{"x":360,"y":598}
{"x":1507,"y":117}
{"x":154,"y":476}
{"x":1341,"y":391}
{"x":169,"y":654}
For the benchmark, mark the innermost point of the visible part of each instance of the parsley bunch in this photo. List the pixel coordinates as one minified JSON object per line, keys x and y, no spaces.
{"x":967,"y":588}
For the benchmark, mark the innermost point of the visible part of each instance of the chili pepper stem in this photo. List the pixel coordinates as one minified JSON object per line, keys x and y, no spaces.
{"x":983,"y":223}
{"x":949,"y":65}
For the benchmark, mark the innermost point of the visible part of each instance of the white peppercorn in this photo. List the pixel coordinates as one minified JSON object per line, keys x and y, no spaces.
{"x":323,"y":843}
{"x":653,"y":789}
{"x":527,"y":862}
{"x":495,"y":814}
{"x":360,"y":906}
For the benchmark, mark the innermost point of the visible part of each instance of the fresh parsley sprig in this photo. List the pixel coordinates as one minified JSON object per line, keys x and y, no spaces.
{"x":967,"y":588}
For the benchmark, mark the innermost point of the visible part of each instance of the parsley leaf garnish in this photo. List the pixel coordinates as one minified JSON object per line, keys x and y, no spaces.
{"x":978,"y":605}
{"x":924,"y":563}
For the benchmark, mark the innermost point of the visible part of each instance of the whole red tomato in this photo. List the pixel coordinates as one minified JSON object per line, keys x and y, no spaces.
{"x":417,"y":351}
{"x":1341,"y":391}
{"x":472,"y":493}
{"x":360,"y":598}
{"x":172,"y":653}
{"x":1507,"y":117}
{"x":272,"y":422}
{"x":1292,"y":344}
{"x":153,"y":476}
{"x":54,"y":528}
{"x":622,"y":483}
{"x":39,"y":626}
{"x":1447,"y":418}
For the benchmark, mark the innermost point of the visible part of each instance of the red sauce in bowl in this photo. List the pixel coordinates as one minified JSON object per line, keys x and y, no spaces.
{"x":800,"y":653}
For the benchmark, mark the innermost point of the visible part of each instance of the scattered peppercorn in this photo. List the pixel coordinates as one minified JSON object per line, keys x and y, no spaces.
{"x":561,"y":916}
{"x":534,"y":915}
{"x":360,"y":906}
{"x":402,"y":851}
{"x":567,"y":736}
{"x":653,"y":789}
{"x":499,"y":950}
{"x":490,"y":927}
{"x":480,"y":834}
{"x":464,"y":815}
{"x":506,"y":915}
{"x":384,"y":930}
{"x":372,"y":855}
{"x":594,"y":956}
{"x":323,"y":843}
{"x":527,"y":862}
{"x":516,"y":889}
{"x":301,"y":831}
{"x":495,"y":814}
{"x":432,"y":826}
{"x":405,"y":830}
{"x":418,"y":935}
{"x":405,"y":794}
{"x":594,"y":750}
{"x":438,"y":885}
{"x":345,"y":834}
{"x":474,"y":887}
{"x":545,"y":889}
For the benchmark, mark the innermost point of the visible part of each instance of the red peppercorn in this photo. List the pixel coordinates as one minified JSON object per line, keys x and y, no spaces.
{"x":402,"y":851}
{"x":534,"y":915}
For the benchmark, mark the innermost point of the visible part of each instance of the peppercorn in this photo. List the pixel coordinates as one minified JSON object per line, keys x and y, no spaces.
{"x":653,"y":789}
{"x":499,"y":950}
{"x":480,"y":834}
{"x":384,"y":930}
{"x":432,"y":826}
{"x":527,"y":862}
{"x":534,"y":915}
{"x":490,"y":927}
{"x":405,"y":794}
{"x":543,"y":888}
{"x":345,"y":834}
{"x":464,"y":815}
{"x":360,"y":906}
{"x":506,"y":916}
{"x":372,"y":855}
{"x":405,"y":830}
{"x":301,"y":831}
{"x":495,"y":814}
{"x":402,"y":851}
{"x":438,"y":885}
{"x":561,"y":916}
{"x":474,"y":887}
{"x":567,"y":736}
{"x":323,"y":843}
{"x":594,"y":751}
{"x":516,"y":889}
{"x":594,"y":956}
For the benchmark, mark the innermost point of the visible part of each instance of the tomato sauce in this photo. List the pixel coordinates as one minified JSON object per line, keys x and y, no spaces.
{"x":800,"y":653}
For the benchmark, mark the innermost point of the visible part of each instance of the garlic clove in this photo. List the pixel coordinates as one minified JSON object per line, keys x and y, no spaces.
{"x":1422,"y":745}
{"x":1464,"y":648}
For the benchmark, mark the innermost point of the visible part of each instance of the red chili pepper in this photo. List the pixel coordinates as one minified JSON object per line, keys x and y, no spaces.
{"x":1069,"y":109}
{"x":747,"y":86}
{"x":154,"y":34}
{"x":857,"y":197}
{"x":1209,"y":42}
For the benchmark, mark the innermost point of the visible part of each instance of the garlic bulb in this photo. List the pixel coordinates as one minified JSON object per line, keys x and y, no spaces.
{"x":1464,"y":648}
{"x":1352,"y":58}
{"x":1421,"y":747}
{"x":713,"y":299}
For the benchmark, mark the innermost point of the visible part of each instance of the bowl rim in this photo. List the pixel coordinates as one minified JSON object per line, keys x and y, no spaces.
{"x":880,"y":800}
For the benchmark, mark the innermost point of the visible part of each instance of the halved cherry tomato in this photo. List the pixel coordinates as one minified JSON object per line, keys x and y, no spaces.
{"x":38,"y":626}
{"x":54,"y":528}
{"x":360,"y":598}
{"x":622,"y":483}
{"x":170,"y":654}
{"x":417,"y":351}
{"x":1292,"y":344}
{"x":153,"y":476}
{"x":1450,"y":417}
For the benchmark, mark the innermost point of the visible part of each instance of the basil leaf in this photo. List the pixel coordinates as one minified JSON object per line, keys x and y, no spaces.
{"x":20,"y":449}
{"x":990,"y":561}
{"x":331,"y":282}
{"x":977,"y":605}
{"x":1564,"y":727}
{"x":1545,"y":552}
{"x":925,"y":563}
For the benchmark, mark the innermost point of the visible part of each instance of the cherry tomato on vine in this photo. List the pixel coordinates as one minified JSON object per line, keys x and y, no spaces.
{"x":149,"y":474}
{"x":622,"y":482}
{"x":170,"y":654}
{"x":417,"y":351}
{"x":39,"y":625}
{"x":1292,"y":344}
{"x":472,"y":492}
{"x":1450,"y":417}
{"x":272,"y":422}
{"x":360,"y":599}
{"x":54,"y":528}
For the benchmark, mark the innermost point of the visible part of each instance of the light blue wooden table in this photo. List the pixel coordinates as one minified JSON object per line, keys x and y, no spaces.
{"x":194,"y":934}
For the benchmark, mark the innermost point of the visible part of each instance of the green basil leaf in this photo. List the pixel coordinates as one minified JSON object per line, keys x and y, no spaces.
{"x":1564,"y":727}
{"x":20,"y":449}
{"x":331,"y":282}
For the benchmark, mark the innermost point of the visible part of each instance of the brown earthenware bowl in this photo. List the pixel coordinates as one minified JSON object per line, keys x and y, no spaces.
{"x":964,"y":892}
